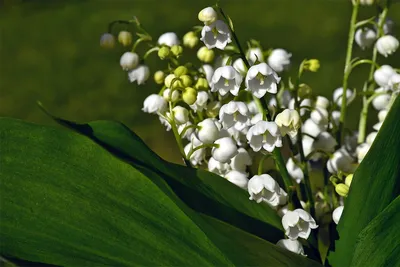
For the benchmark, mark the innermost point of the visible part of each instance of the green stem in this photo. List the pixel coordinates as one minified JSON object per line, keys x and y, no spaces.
{"x":347,"y":66}
{"x":192,"y":150}
{"x":261,"y":164}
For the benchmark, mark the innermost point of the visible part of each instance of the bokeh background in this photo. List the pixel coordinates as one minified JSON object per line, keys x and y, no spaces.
{"x":49,"y":51}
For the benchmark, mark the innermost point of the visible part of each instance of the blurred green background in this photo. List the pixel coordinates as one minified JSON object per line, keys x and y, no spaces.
{"x":49,"y":51}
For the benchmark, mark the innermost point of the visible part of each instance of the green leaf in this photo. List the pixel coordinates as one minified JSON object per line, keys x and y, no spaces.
{"x":376,"y":183}
{"x":66,"y":201}
{"x":379,"y":243}
{"x":201,"y":190}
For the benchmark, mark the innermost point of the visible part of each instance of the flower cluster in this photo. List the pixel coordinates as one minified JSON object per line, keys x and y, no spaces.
{"x":230,"y":112}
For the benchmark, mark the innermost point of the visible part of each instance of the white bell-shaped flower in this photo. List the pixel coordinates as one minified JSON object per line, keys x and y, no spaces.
{"x":289,"y":122}
{"x":382,"y":100}
{"x":217,"y":167}
{"x":311,"y":128}
{"x":241,"y":160}
{"x":234,"y":114}
{"x":154,"y":104}
{"x":207,"y":131}
{"x":256,"y":118}
{"x":265,"y":188}
{"x":188,"y":132}
{"x":394,"y":82}
{"x":298,"y":223}
{"x":381,"y":117}
{"x":308,"y":145}
{"x":129,"y":61}
{"x":325,"y":142}
{"x":371,"y":138}
{"x":338,"y":93}
{"x":238,"y":178}
{"x":197,"y":156}
{"x":139,"y":74}
{"x":208,"y":70}
{"x":208,"y":15}
{"x":362,"y":151}
{"x":239,"y":66}
{"x":294,"y":170}
{"x":322,"y":102}
{"x":320,"y":116}
{"x":181,"y":114}
{"x":264,"y":135}
{"x":201,"y":101}
{"x":225,"y":151}
{"x":171,"y":95}
{"x":253,"y":54}
{"x":165,"y":122}
{"x":292,"y":245}
{"x":217,"y":34}
{"x":341,"y":160}
{"x":169,"y":39}
{"x":337,"y":213}
{"x":387,"y":45}
{"x":226,"y":79}
{"x":304,"y":105}
{"x":279,"y":59}
{"x":261,"y":79}
{"x":383,"y":75}
{"x":365,"y":37}
{"x":253,"y":109}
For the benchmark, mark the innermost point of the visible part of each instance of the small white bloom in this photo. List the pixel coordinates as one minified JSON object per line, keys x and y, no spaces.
{"x":197,"y":156}
{"x":381,"y":117}
{"x":208,"y":15}
{"x":217,"y":34}
{"x":387,"y":45}
{"x":201,"y":101}
{"x":264,"y":135}
{"x":383,"y":75}
{"x":371,"y":138}
{"x":208,"y":70}
{"x":171,"y":96}
{"x":154,"y":104}
{"x":388,"y":26}
{"x":365,"y":37}
{"x":234,"y":114}
{"x":338,"y":93}
{"x":254,"y":54}
{"x":256,"y":118}
{"x":289,"y":122}
{"x":337,"y":213}
{"x":139,"y":74}
{"x":325,"y":142}
{"x":241,"y":160}
{"x":308,"y":145}
{"x":311,"y":128}
{"x":320,"y":116}
{"x":239,"y":66}
{"x":217,"y":167}
{"x":291,"y":245}
{"x":181,"y":114}
{"x":169,"y":39}
{"x":362,"y":151}
{"x":335,"y":117}
{"x":340,"y":161}
{"x":294,"y":171}
{"x":261,"y":79}
{"x":279,"y":59}
{"x":304,"y":105}
{"x":252,"y":106}
{"x":238,"y":178}
{"x":129,"y":61}
{"x":298,"y":223}
{"x":225,"y":151}
{"x":226,"y":79}
{"x":394,"y":82}
{"x":238,"y":136}
{"x":265,"y":188}
{"x":189,"y":131}
{"x":382,"y":100}
{"x":322,"y":102}
{"x":107,"y":40}
{"x":207,"y":131}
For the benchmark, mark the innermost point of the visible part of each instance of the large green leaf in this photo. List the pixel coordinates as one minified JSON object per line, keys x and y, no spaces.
{"x":201,"y":190}
{"x":379,"y":243}
{"x":376,"y":183}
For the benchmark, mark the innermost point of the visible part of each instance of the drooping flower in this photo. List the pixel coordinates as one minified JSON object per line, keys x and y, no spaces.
{"x":383,"y":75}
{"x":265,"y":188}
{"x":208,"y":15}
{"x":181,"y":115}
{"x":201,"y":101}
{"x":169,"y":39}
{"x":338,"y":93}
{"x":365,"y":37}
{"x":289,"y":122}
{"x":387,"y":45}
{"x":298,"y":223}
{"x":291,"y":245}
{"x":129,"y":61}
{"x":234,"y":114}
{"x":197,"y":156}
{"x":264,"y":135}
{"x":238,"y":178}
{"x":226,"y":79}
{"x":188,"y":132}
{"x":217,"y":167}
{"x":216,"y":35}
{"x":261,"y":79}
{"x":382,"y":100}
{"x":107,"y":40}
{"x":337,"y":213}
{"x":225,"y":151}
{"x":139,"y":74}
{"x":241,"y":160}
{"x":154,"y":104}
{"x":340,"y":161}
{"x":171,"y":95}
{"x":254,"y":54}
{"x":279,"y":59}
{"x":207,"y":131}
{"x":294,"y":171}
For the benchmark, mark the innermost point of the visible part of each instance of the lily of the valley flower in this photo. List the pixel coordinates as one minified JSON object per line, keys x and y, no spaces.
{"x":383,"y":75}
{"x":234,"y":114}
{"x":340,"y":161}
{"x":241,"y":160}
{"x":338,"y":93}
{"x":254,"y":54}
{"x":337,"y":213}
{"x":139,"y":74}
{"x":226,"y":79}
{"x":129,"y":61}
{"x":261,"y":79}
{"x":265,"y":188}
{"x":291,"y":245}
{"x":181,"y":114}
{"x":365,"y":37}
{"x":289,"y":122}
{"x":226,"y":149}
{"x":207,"y":131}
{"x":201,"y":101}
{"x":154,"y":104}
{"x":294,"y":170}
{"x":217,"y":167}
{"x":387,"y":45}
{"x":216,"y":35}
{"x":298,"y":223}
{"x":169,"y":39}
{"x":279,"y":59}
{"x":197,"y":156}
{"x":208,"y":15}
{"x":264,"y":135}
{"x":238,"y":178}
{"x":382,"y":100}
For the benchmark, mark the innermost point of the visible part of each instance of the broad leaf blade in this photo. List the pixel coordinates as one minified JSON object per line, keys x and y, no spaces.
{"x":379,"y":243}
{"x":376,"y":183}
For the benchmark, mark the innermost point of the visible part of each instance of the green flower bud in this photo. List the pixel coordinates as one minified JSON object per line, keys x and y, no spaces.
{"x":189,"y":96}
{"x":181,"y":70}
{"x":186,"y":80}
{"x":312,"y":65}
{"x":213,"y":108}
{"x":342,"y":190}
{"x":205,"y":55}
{"x":201,"y":84}
{"x":190,"y":40}
{"x":348,"y":180}
{"x":107,"y":41}
{"x":177,"y":50}
{"x":163,"y":53}
{"x":125,"y":38}
{"x":304,"y":91}
{"x":159,"y":77}
{"x":176,"y":84}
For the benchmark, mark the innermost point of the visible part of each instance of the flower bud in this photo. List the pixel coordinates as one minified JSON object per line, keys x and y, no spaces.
{"x":365,"y":37}
{"x":169,"y":95}
{"x":107,"y":40}
{"x":225,"y":151}
{"x":382,"y":100}
{"x":322,"y":102}
{"x":366,"y":2}
{"x":208,"y":15}
{"x":348,"y":179}
{"x":238,"y":178}
{"x":177,"y":50}
{"x":342,"y":190}
{"x":190,"y":40}
{"x":201,"y":84}
{"x":289,"y":122}
{"x":129,"y":61}
{"x":383,"y":75}
{"x":291,"y":245}
{"x":168,"y":80}
{"x":279,"y":60}
{"x":189,"y":96}
{"x":186,"y":80}
{"x":312,"y":65}
{"x":169,"y":39}
{"x":125,"y":38}
{"x":159,"y":77}
{"x":205,"y":55}
{"x":139,"y":74}
{"x":208,"y":131}
{"x":337,"y":213}
{"x":387,"y":45}
{"x":181,"y":114}
{"x":181,"y":70}
{"x":154,"y":103}
{"x":164,"y":52}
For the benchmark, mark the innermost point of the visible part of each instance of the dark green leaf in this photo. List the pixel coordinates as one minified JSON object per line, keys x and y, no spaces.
{"x":376,"y":183}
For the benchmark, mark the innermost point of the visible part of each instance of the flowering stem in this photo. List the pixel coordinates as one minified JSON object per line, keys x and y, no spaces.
{"x":192,"y":150}
{"x":347,"y":67}
{"x":261,"y":163}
